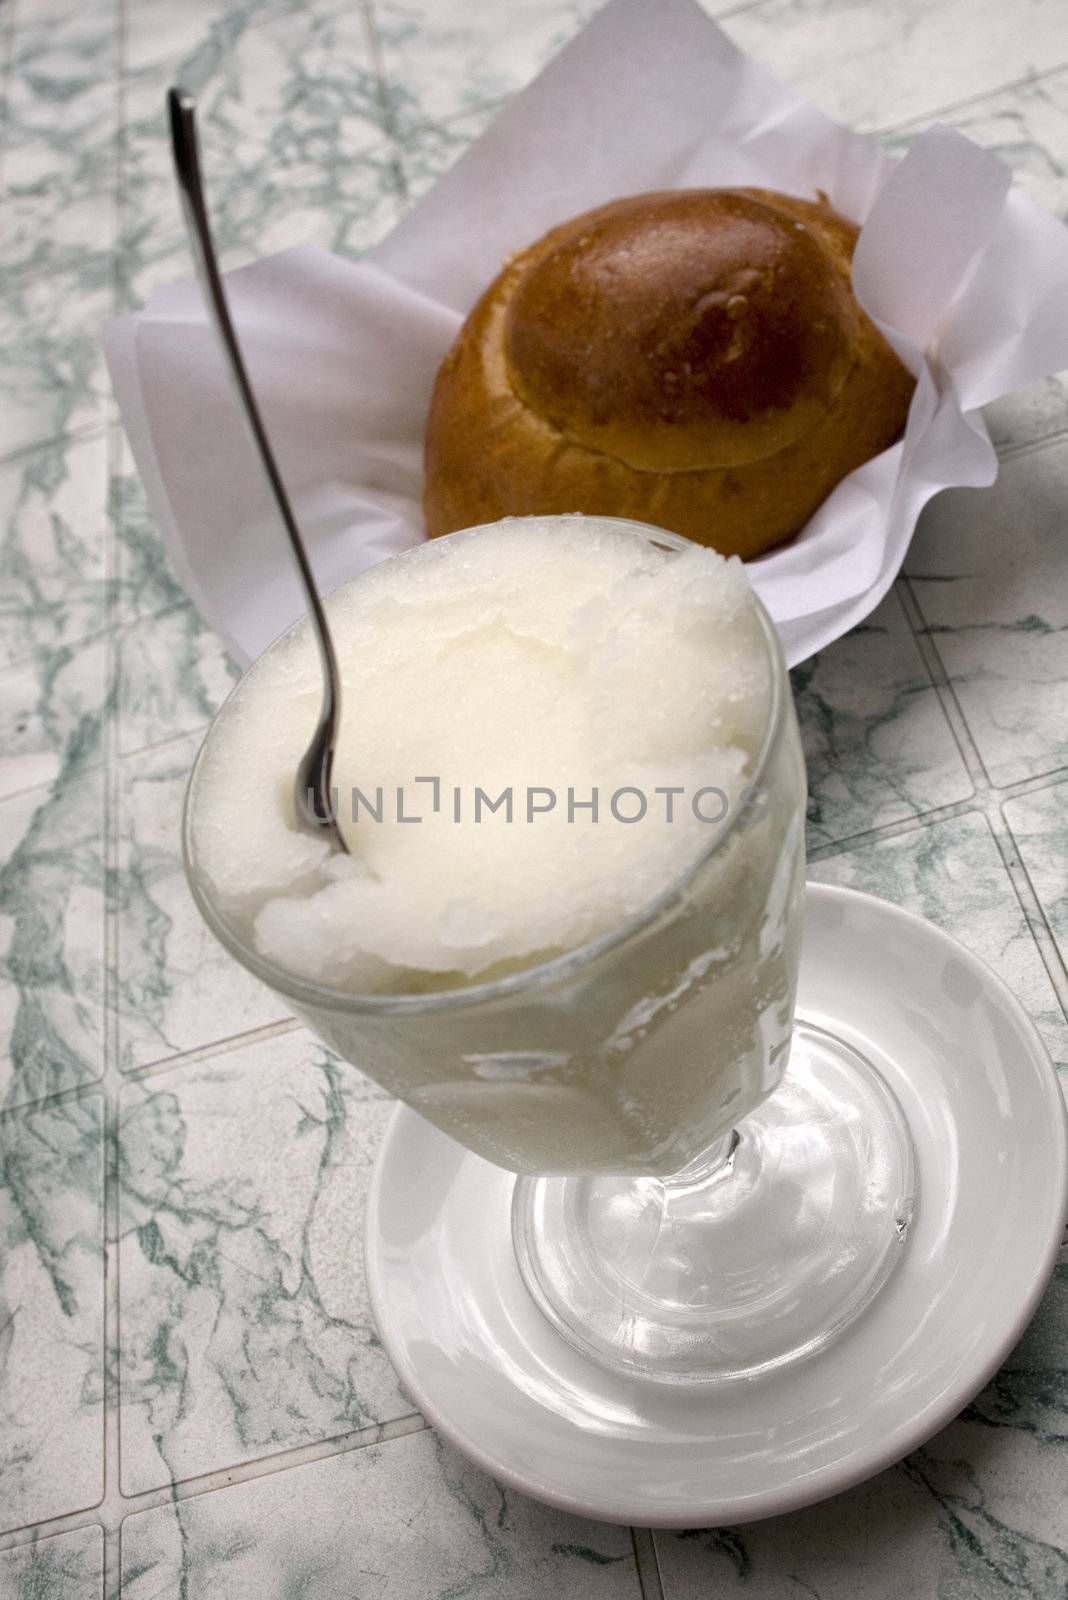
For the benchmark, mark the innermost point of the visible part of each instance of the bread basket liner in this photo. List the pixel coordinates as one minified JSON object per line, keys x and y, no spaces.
{"x":966,"y":278}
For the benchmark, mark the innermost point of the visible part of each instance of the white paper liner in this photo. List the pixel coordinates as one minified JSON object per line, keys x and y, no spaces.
{"x":968,"y":281}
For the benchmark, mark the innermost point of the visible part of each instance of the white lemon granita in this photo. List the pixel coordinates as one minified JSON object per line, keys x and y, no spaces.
{"x":571,"y":712}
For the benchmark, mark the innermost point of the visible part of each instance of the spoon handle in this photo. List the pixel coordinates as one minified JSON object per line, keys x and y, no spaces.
{"x":313,"y":777}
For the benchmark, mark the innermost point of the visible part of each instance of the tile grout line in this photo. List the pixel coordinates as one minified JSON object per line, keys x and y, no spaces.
{"x":80,"y":434}
{"x":44,"y":786}
{"x":169,"y":740}
{"x":1052,"y":957}
{"x":1024,"y":447}
{"x":1022,"y":82}
{"x":895,"y":830}
{"x":646,"y":1563}
{"x":52,"y":1102}
{"x":943,"y":684}
{"x":151,"y":1069}
{"x":737,"y":10}
{"x":989,"y":797}
{"x":986,"y":804}
{"x":110,"y":1512}
{"x":1026,"y":786}
{"x":208,"y":1052}
{"x":111,"y":1576}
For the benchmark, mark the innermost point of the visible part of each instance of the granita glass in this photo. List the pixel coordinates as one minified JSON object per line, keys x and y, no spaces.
{"x":706,"y":1189}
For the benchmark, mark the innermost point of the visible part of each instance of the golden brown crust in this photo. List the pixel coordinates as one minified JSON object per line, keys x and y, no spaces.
{"x":558,"y":394}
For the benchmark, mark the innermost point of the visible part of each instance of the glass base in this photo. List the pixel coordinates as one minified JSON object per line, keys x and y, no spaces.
{"x":758,"y":1254}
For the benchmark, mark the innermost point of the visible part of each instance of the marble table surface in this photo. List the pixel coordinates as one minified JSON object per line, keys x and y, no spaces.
{"x":193,"y":1402}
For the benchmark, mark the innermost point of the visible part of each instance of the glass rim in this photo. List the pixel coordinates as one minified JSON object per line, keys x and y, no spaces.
{"x":539,"y":974}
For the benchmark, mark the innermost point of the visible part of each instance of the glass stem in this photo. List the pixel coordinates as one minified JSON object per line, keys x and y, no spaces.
{"x":714,"y":1162}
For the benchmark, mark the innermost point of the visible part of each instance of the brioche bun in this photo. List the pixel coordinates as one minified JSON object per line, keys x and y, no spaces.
{"x":693,"y":358}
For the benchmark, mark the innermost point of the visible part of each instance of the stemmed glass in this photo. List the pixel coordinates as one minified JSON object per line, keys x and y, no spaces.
{"x":707,"y":1188}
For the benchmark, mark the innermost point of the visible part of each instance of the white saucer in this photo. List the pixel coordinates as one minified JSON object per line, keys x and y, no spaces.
{"x":988,"y":1124}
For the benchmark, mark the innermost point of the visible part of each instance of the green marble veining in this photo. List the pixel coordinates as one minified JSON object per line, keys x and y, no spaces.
{"x":177,"y":988}
{"x":238,"y":1177}
{"x":895,"y":63}
{"x":490,"y":55}
{"x":432,"y":147}
{"x":53,"y":589}
{"x":51,"y":1311}
{"x":1027,"y":128}
{"x":44,"y":706}
{"x":147,"y":583}
{"x":1039,"y":824}
{"x":245,"y":1326}
{"x":977,"y":1512}
{"x":890,"y":63}
{"x":302,"y":162}
{"x":173,"y":677}
{"x":70,"y":1565}
{"x":51,"y":364}
{"x":877,"y":744}
{"x":409,"y":1518}
{"x":58,"y":199}
{"x":953,"y":874}
{"x":52,"y":940}
{"x":988,"y":570}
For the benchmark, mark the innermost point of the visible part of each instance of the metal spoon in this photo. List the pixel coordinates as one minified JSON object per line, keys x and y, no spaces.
{"x":313,"y":774}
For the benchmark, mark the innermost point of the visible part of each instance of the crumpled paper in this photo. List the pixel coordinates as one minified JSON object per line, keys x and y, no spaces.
{"x":967,"y":280}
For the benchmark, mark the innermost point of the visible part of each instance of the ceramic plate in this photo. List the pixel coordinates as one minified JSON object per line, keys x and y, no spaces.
{"x":988,"y":1123}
